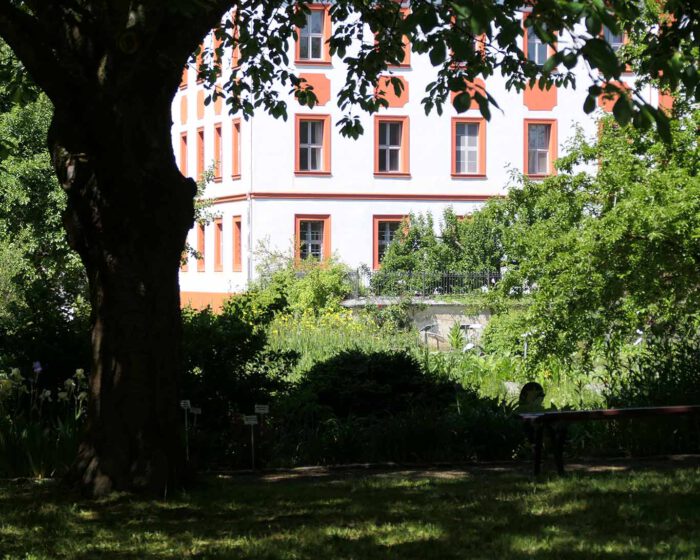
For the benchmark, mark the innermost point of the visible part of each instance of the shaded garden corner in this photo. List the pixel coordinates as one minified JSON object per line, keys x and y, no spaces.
{"x":487,"y":512}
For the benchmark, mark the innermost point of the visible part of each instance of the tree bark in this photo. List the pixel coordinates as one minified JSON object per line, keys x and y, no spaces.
{"x":128,"y":214}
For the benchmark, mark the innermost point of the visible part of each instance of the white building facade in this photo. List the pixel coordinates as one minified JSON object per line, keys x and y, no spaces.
{"x":299,"y":186}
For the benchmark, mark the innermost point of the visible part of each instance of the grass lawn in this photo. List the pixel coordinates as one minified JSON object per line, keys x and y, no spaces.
{"x":492,"y":514}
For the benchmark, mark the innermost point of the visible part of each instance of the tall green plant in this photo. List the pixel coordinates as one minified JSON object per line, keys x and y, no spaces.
{"x":43,"y":290}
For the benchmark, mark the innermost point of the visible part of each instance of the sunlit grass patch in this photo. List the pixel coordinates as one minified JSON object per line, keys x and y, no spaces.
{"x":369,"y":515}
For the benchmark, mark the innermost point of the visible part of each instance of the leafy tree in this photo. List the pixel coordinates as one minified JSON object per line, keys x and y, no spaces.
{"x":463,"y":244}
{"x":415,"y":247}
{"x":111,"y":70}
{"x":43,"y":291}
{"x":611,"y":253}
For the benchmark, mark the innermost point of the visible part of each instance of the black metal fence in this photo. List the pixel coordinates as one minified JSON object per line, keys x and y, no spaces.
{"x":420,"y":283}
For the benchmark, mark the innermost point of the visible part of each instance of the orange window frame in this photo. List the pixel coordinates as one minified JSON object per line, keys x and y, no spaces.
{"x":237,"y":244}
{"x":385,"y":90}
{"x":218,"y":155}
{"x":405,"y":160}
{"x":218,"y":245}
{"x":326,"y":244}
{"x":606,"y":101}
{"x":376,"y":219}
{"x":665,"y":100}
{"x":183,"y":109}
{"x":199,"y":63}
{"x":183,"y":153}
{"x":200,"y":248}
{"x":200,"y":105}
{"x":481,"y":147}
{"x":185,"y":76}
{"x":236,"y":52}
{"x":200,"y":152}
{"x":406,"y":62}
{"x":553,"y":146}
{"x":326,"y":50}
{"x":236,"y":149}
{"x":625,"y":40}
{"x":325,"y":150}
{"x":526,"y":30}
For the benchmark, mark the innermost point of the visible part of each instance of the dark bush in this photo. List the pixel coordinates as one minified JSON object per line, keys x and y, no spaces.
{"x":380,"y":384}
{"x":227,"y":371}
{"x":380,"y":407}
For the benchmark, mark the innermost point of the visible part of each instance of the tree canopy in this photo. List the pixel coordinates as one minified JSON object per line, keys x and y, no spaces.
{"x":604,"y":257}
{"x":464,"y":40}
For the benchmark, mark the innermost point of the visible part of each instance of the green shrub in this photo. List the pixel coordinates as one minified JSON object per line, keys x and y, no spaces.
{"x":381,"y":406}
{"x":504,"y":333}
{"x":318,"y":287}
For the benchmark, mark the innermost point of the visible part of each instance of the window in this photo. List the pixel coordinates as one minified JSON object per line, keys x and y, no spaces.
{"x":385,"y":228}
{"x":311,"y":37}
{"x":312,"y":144}
{"x":313,"y":237}
{"x":199,"y":64}
{"x":183,"y":109}
{"x":536,"y":49}
{"x":540,"y":147}
{"x":237,"y":245}
{"x":218,"y":245}
{"x":200,"y":153}
{"x":613,"y":39}
{"x":236,"y":149}
{"x":468,"y":146}
{"x":312,"y":42}
{"x":200,"y":105}
{"x":183,"y":153}
{"x":185,"y":76}
{"x":391,"y":145}
{"x":200,"y":248}
{"x":218,"y":155}
{"x":405,"y":60}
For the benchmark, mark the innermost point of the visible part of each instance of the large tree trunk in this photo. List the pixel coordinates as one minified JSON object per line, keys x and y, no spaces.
{"x":129,"y":210}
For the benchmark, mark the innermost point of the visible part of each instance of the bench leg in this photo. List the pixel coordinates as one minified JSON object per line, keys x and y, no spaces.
{"x":538,"y":448}
{"x":559,"y":439}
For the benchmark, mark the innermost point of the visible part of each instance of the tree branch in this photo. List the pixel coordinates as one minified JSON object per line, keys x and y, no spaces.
{"x":28,"y":39}
{"x":183,"y":32}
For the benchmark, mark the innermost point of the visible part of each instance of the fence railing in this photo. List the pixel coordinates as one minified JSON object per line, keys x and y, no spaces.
{"x":420,"y":283}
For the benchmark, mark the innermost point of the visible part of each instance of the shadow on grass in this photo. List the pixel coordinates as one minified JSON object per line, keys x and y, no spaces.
{"x":644,"y":514}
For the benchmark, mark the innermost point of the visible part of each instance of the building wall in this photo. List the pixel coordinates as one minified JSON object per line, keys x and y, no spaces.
{"x":268,"y":194}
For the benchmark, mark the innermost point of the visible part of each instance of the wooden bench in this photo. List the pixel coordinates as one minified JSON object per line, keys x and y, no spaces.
{"x":555,"y":423}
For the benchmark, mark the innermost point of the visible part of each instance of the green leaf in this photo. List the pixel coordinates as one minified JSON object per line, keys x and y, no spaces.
{"x":570,"y":60}
{"x":462,"y":102}
{"x":600,"y":55}
{"x":589,"y":104}
{"x":551,"y":63}
{"x":438,"y":54}
{"x":593,"y":25}
{"x":622,"y":110}
{"x":663,"y":126}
